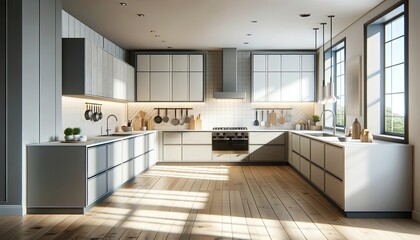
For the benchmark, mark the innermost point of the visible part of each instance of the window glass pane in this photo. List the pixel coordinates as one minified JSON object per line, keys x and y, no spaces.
{"x":388,"y":105}
{"x":398,"y":125}
{"x":397,"y":54}
{"x":398,"y":27}
{"x":388,"y":124}
{"x":388,"y":32}
{"x":388,"y":56}
{"x":388,"y":80}
{"x":398,"y":78}
{"x":398,"y":105}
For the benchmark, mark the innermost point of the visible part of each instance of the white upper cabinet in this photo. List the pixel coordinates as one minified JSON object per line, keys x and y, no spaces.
{"x":283,"y":77}
{"x":170,"y":77}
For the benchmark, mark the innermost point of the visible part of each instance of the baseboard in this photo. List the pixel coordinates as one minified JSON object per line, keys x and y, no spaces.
{"x":415,"y":215}
{"x":11,"y":210}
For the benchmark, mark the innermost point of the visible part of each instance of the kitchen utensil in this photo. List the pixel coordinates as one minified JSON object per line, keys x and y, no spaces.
{"x":256,"y":123}
{"x":129,"y":123}
{"x":273,"y":118}
{"x":150,"y":124}
{"x":192,"y":122}
{"x":96,"y":114}
{"x":88,"y":112}
{"x":175,"y":121}
{"x":187,"y":118}
{"x":262,"y":123}
{"x":198,"y":122}
{"x":181,"y":120}
{"x":142,"y":114}
{"x":100,"y":113}
{"x":267,"y":123}
{"x":166,"y":118}
{"x":282,"y":118}
{"x":137,"y":123}
{"x":158,"y":119}
{"x":288,"y":116}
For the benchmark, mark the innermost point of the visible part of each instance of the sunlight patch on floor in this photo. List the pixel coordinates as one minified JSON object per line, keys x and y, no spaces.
{"x":203,"y":176}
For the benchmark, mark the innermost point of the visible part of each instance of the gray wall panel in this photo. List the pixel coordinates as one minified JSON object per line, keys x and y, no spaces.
{"x":58,"y":70}
{"x":3,"y":102}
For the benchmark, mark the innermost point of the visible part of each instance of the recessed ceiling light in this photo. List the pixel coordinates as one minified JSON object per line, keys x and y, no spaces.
{"x":304,"y":15}
{"x":246,"y":42}
{"x":157,"y":35}
{"x":170,"y":47}
{"x":163,"y":41}
{"x":152,"y":31}
{"x":140,"y":15}
{"x":249,"y":34}
{"x":254,"y":21}
{"x":123,"y":4}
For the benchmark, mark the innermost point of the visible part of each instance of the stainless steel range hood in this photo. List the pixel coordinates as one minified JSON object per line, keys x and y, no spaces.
{"x":230,"y":82}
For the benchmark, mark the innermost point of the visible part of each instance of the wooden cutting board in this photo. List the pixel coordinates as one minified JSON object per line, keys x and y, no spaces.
{"x":272,"y":118}
{"x":137,"y":123}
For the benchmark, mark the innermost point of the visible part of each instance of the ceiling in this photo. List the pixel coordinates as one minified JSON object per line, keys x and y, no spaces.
{"x":215,"y":24}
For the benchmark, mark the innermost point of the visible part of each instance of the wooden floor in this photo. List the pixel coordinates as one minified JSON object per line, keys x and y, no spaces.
{"x":210,"y":202}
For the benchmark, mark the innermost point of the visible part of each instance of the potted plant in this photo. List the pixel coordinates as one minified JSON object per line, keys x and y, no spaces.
{"x":68,"y":134}
{"x":76,"y":133}
{"x":315,"y":119}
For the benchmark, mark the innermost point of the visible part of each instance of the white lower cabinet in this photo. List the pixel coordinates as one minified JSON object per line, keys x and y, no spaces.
{"x":172,"y":153}
{"x":267,"y":153}
{"x":334,"y":160}
{"x":127,"y":170}
{"x":140,"y":164}
{"x":317,"y":176}
{"x":115,"y":153}
{"x":115,"y":177}
{"x":196,"y":153}
{"x":305,"y":147}
{"x":296,"y":143}
{"x":334,"y":188}
{"x":230,"y":157}
{"x":96,"y":161}
{"x":296,"y":161}
{"x":305,"y":167}
{"x":96,"y":187}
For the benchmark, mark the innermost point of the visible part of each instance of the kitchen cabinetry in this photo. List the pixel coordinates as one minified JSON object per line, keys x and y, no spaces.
{"x":187,"y":146}
{"x":69,"y":179}
{"x":88,"y":70}
{"x":363,"y":179}
{"x":267,"y":146}
{"x":171,"y":77}
{"x":283,"y":77}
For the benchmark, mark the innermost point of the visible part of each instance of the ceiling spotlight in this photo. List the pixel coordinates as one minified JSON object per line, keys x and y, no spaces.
{"x":152,"y":31}
{"x":246,"y":42}
{"x":254,"y":21}
{"x":304,"y":15}
{"x":123,"y":4}
{"x":249,"y":34}
{"x":157,"y":35}
{"x":140,"y":15}
{"x":163,"y":41}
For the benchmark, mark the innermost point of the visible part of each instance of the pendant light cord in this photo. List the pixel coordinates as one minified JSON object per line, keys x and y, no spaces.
{"x":331,"y":38}
{"x":323,"y":54}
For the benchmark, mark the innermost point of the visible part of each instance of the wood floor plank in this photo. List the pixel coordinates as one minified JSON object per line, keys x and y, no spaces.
{"x":23,"y":227}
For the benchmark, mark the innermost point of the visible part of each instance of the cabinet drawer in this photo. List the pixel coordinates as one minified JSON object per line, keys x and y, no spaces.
{"x":296,"y":143}
{"x":172,"y":138}
{"x":334,"y":160}
{"x":96,"y":188}
{"x":267,"y":138}
{"x":305,"y":167}
{"x":114,"y":177}
{"x":172,"y":153}
{"x":296,"y":161}
{"x":317,"y":153}
{"x":196,"y":138}
{"x":114,"y":154}
{"x":151,"y":158}
{"x":267,"y":153}
{"x":196,"y":153}
{"x":334,"y":188}
{"x":140,"y":164}
{"x":305,"y":147}
{"x":128,"y":149}
{"x":139,"y":145}
{"x":317,"y":176}
{"x":96,"y":160}
{"x":127,"y":170}
{"x":230,"y":157}
{"x":151,"y":141}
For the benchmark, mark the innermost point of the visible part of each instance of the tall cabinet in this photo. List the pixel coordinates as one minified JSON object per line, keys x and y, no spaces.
{"x":283,"y":77}
{"x":170,"y":77}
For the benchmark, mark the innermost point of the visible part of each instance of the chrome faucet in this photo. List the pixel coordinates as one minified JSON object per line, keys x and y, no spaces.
{"x":107,"y":123}
{"x":334,"y":120}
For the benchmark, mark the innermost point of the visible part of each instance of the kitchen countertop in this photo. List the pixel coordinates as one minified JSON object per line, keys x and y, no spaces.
{"x":94,"y":140}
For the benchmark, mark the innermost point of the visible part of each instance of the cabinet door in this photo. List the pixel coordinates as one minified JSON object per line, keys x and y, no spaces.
{"x":259,"y":87}
{"x":64,"y":24}
{"x":196,"y":138}
{"x":267,"y":153}
{"x":290,"y":86}
{"x":334,"y":188}
{"x":97,"y":187}
{"x":94,"y":69}
{"x":118,"y":81}
{"x":334,"y":160}
{"x":307,"y":87}
{"x":160,"y":86}
{"x":151,"y":141}
{"x":296,"y":161}
{"x":274,"y":87}
{"x":180,"y":86}
{"x":172,"y":153}
{"x":262,"y":138}
{"x":274,"y":63}
{"x":143,"y":62}
{"x":221,"y":157}
{"x":317,"y":153}
{"x":259,"y":63}
{"x":151,"y":158}
{"x":308,"y":63}
{"x":196,"y":86}
{"x":114,"y":176}
{"x":296,"y":143}
{"x":130,"y":84}
{"x":140,"y":164}
{"x":172,"y":138}
{"x":305,"y":167}
{"x":143,"y":86}
{"x":197,"y":63}
{"x":127,"y":170}
{"x":305,"y":147}
{"x":196,"y":153}
{"x":180,"y":63}
{"x":139,"y":145}
{"x":128,"y":149}
{"x":160,"y":63}
{"x":100,"y":72}
{"x":317,"y":176}
{"x":96,"y":160}
{"x":108,"y":86}
{"x":114,"y":153}
{"x":88,"y":67}
{"x":290,"y":63}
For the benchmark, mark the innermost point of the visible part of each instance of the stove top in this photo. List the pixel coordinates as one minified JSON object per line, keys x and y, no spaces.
{"x":230,"y":128}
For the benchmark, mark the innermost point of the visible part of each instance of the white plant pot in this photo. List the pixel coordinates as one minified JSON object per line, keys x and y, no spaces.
{"x":68,"y":137}
{"x":76,"y":137}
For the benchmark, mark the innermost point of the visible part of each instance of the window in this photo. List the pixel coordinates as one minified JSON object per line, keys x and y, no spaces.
{"x":338,"y":64}
{"x":394,"y":84}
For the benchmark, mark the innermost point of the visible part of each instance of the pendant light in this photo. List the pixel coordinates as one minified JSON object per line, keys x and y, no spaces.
{"x":323,"y":97}
{"x":331,"y":86}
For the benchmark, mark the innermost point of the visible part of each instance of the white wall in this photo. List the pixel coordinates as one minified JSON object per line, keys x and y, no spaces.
{"x":222,"y":112}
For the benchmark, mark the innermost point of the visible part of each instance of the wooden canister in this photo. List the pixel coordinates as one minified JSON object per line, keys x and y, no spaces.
{"x":356,"y":129}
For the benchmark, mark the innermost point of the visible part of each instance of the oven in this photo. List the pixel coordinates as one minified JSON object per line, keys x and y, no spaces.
{"x":230,"y":140}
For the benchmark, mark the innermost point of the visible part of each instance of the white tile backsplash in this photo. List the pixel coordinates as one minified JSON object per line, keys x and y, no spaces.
{"x":73,"y":115}
{"x":226,"y":112}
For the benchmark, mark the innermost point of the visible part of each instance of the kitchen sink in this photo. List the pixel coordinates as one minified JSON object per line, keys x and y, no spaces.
{"x":320,"y":134}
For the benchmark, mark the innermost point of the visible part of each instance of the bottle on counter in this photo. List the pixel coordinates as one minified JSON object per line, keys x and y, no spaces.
{"x":356,"y":129}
